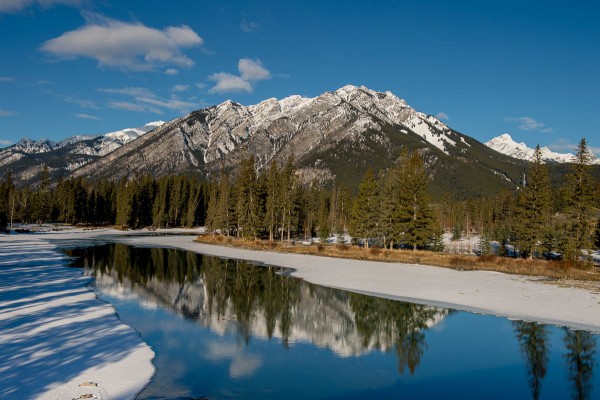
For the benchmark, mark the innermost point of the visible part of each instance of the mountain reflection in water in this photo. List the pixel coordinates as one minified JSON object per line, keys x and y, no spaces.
{"x":250,"y":302}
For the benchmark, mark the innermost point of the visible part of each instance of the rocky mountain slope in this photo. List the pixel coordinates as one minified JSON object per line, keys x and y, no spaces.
{"x":506,"y":145}
{"x":334,"y":135}
{"x":26,"y":157}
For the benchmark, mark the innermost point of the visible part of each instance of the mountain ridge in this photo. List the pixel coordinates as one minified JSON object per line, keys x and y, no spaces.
{"x":505,"y":144}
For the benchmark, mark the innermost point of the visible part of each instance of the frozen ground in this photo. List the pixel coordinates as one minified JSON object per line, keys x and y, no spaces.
{"x":55,"y":334}
{"x":485,"y":292}
{"x":57,"y":340}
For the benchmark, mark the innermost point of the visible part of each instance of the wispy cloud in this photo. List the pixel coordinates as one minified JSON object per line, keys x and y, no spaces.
{"x":7,"y":113}
{"x":83,"y":103}
{"x":145,"y":100}
{"x":171,"y":71}
{"x":127,"y":106}
{"x":442,"y":115}
{"x":171,"y":104}
{"x":128,"y":46}
{"x":530,"y":124}
{"x":13,"y":6}
{"x":249,"y":26}
{"x":87,"y":116}
{"x":180,"y":88}
{"x":250,"y":71}
{"x":133,"y":91}
{"x":5,"y":142}
{"x":6,"y":78}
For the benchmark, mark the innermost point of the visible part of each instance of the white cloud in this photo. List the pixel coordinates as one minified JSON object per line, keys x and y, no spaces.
{"x":252,"y":70}
{"x":133,"y":91}
{"x":6,"y":78}
{"x":530,"y":124}
{"x":129,"y":46}
{"x":87,"y":116}
{"x":171,"y":71}
{"x":7,"y":113}
{"x":201,"y":85}
{"x":12,"y":6}
{"x":180,"y":88}
{"x":145,"y":100}
{"x":171,"y":104}
{"x":249,"y":26}
{"x":125,"y":105}
{"x":83,"y":103}
{"x":244,"y":365}
{"x":442,"y":115}
{"x":5,"y":142}
{"x":229,"y":83}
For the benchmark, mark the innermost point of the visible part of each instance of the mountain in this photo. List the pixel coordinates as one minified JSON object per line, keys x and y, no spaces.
{"x":26,"y":157}
{"x":506,"y":145}
{"x":337,"y":135}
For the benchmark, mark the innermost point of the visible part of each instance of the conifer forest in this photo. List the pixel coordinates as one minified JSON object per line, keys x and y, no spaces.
{"x":390,"y":208}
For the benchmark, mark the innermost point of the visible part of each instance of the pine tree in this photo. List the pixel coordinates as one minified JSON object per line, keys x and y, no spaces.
{"x":416,"y":220}
{"x":272,"y":206}
{"x":365,"y":209}
{"x":532,"y":212}
{"x":287,"y":198}
{"x":247,"y":206}
{"x":579,"y":203}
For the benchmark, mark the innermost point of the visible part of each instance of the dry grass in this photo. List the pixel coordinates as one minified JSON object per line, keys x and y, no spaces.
{"x":556,"y":270}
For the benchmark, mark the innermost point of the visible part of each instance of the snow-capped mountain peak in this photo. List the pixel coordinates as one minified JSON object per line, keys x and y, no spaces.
{"x":505,"y":144}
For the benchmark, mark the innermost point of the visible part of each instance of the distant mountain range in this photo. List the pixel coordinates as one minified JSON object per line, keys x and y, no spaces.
{"x":334,"y":136}
{"x":26,"y":157}
{"x":506,"y":145}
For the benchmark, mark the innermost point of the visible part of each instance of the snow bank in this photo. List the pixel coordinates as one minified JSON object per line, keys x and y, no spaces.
{"x":494,"y":293}
{"x":57,"y":340}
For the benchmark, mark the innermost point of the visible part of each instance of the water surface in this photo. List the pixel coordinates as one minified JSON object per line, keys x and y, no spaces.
{"x":229,"y":329}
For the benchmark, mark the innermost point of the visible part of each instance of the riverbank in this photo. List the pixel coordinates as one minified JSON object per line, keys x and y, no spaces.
{"x":557,"y":270}
{"x":55,"y":334}
{"x":494,"y":293}
{"x":57,"y":340}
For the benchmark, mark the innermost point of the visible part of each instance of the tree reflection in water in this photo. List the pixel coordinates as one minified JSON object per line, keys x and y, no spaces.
{"x":581,"y":352}
{"x":533,"y":341}
{"x":255,"y":301}
{"x":216,"y":291}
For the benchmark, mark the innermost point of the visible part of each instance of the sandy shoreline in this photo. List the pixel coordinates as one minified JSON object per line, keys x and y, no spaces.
{"x":50,"y":320}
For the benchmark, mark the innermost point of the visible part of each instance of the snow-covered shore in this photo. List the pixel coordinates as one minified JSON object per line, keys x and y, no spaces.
{"x":493,"y":293}
{"x":55,"y":334}
{"x":57,"y":340}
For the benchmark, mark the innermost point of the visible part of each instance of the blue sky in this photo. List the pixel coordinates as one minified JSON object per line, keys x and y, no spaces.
{"x":529,"y":68}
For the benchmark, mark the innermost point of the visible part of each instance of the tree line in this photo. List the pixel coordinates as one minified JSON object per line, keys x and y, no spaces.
{"x":142,"y":201}
{"x":390,"y":209}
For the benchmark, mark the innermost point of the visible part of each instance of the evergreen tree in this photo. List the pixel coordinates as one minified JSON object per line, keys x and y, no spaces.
{"x":532,"y":212}
{"x":579,"y":203}
{"x":415,"y":214}
{"x":287,"y":196}
{"x":272,"y":205}
{"x":365,"y":209}
{"x":247,"y":205}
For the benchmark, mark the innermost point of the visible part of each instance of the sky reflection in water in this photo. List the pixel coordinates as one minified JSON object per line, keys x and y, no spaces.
{"x":231,"y":329}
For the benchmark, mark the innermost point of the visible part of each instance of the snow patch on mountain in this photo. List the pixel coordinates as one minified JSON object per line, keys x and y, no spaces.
{"x":506,"y":145}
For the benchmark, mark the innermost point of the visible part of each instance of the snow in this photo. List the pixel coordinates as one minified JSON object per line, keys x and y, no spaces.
{"x":506,"y":145}
{"x":56,"y":334}
{"x":512,"y":296}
